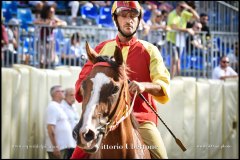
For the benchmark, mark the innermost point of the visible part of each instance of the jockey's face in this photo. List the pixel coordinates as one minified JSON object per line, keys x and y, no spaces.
{"x":128,"y":21}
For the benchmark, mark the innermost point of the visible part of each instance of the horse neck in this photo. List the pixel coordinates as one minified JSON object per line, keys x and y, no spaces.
{"x":125,"y":136}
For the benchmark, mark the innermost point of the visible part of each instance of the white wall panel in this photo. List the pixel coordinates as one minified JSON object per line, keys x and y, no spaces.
{"x":189,"y":119}
{"x":215,"y":119}
{"x":202,"y":120}
{"x":20,"y":109}
{"x":7,"y":99}
{"x":230,"y":116}
{"x":38,"y":104}
{"x":172,"y":114}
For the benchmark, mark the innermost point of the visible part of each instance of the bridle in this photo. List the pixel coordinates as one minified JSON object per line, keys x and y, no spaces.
{"x":123,"y":107}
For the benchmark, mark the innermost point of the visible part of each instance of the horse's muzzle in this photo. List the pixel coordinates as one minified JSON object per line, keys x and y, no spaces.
{"x":88,"y":136}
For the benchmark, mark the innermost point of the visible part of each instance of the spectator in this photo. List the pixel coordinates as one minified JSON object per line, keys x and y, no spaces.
{"x":10,"y":54}
{"x":165,"y":6}
{"x":161,"y":5}
{"x":39,"y":6}
{"x":165,"y":15}
{"x":177,"y":20}
{"x":157,"y":28}
{"x":72,"y":114}
{"x":224,"y":71}
{"x":102,"y":3}
{"x":4,"y":39}
{"x":193,"y":6}
{"x":4,"y":43}
{"x":75,"y":56}
{"x":204,"y":22}
{"x":193,"y":42}
{"x":74,"y":11}
{"x":47,"y":56}
{"x":59,"y":131}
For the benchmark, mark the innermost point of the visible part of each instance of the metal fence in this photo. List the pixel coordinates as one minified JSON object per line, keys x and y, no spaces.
{"x":46,"y":47}
{"x":223,"y":16}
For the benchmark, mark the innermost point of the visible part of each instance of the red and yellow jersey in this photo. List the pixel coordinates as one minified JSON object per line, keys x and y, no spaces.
{"x":146,"y":65}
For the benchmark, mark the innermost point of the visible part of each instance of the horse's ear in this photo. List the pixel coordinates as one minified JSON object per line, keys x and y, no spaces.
{"x":92,"y":54}
{"x":118,"y":56}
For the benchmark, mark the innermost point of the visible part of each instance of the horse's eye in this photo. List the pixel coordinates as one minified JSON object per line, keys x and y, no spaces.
{"x":115,"y":89}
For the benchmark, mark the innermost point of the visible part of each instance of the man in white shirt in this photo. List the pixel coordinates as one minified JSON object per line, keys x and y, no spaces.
{"x":224,"y":71}
{"x":59,"y":131}
{"x":72,"y":114}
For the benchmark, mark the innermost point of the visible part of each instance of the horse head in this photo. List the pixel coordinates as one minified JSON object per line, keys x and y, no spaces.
{"x":102,"y":91}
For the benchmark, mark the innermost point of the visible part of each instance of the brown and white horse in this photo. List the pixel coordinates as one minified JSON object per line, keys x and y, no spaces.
{"x":106,"y":128}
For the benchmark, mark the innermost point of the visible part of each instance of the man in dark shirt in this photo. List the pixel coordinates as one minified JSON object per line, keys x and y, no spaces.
{"x":204,"y":22}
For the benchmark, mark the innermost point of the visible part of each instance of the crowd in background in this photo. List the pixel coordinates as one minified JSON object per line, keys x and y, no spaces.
{"x":156,"y":25}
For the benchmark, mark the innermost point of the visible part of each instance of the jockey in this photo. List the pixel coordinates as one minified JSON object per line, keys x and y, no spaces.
{"x":148,"y":74}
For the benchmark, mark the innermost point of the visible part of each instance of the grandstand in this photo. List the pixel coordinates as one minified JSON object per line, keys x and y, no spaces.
{"x":206,"y":110}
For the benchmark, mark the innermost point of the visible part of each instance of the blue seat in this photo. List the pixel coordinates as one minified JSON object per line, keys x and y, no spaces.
{"x":163,"y":51}
{"x":27,"y":46}
{"x":25,"y":17}
{"x":167,"y":60}
{"x":9,"y":9}
{"x":105,"y":21}
{"x":105,"y":11}
{"x":59,"y":35}
{"x":185,"y":61}
{"x":197,"y":62}
{"x":105,"y":18}
{"x":89,"y":12}
{"x":7,"y":15}
{"x":62,"y":5}
{"x":147,"y":15}
{"x":59,"y":41}
{"x":11,"y":6}
{"x":215,"y":61}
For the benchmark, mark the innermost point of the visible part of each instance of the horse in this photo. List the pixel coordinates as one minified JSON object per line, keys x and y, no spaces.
{"x":107,"y":129}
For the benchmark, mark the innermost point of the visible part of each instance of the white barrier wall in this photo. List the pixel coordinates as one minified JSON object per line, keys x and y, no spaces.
{"x":69,"y":81}
{"x":38,"y":104}
{"x":7,"y":102}
{"x":172,"y":113}
{"x":20,"y":114}
{"x":230,"y":120}
{"x":200,"y":113}
{"x":215,"y":118}
{"x":202,"y":120}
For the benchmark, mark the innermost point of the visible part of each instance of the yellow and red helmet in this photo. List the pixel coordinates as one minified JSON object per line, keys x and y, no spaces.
{"x":126,"y":5}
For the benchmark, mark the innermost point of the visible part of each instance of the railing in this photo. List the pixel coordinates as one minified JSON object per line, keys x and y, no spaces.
{"x":222,"y":16}
{"x":50,"y":47}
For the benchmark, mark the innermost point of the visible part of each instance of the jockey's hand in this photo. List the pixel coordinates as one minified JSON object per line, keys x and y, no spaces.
{"x":136,"y":86}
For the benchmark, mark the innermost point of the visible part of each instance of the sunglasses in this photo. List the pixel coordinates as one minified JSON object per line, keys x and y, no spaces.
{"x":225,"y":61}
{"x":182,"y":7}
{"x":198,"y":27}
{"x":60,"y":91}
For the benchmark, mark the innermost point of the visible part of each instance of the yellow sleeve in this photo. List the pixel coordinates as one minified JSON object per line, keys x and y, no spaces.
{"x":159,"y":74}
{"x":186,"y":15}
